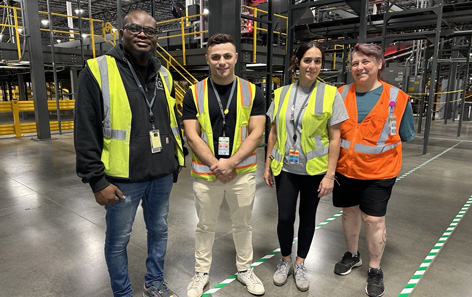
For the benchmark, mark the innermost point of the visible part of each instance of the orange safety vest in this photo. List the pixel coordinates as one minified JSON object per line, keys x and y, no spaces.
{"x":368,"y":151}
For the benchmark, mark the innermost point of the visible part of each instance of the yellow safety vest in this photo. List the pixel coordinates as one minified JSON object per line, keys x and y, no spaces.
{"x":117,"y":115}
{"x":314,"y":134}
{"x":245,"y":96}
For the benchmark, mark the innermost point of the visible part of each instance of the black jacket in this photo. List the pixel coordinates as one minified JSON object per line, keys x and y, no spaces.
{"x":88,"y":133}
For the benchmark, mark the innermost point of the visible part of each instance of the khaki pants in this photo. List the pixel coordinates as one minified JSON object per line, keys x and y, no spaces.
{"x":239,"y":194}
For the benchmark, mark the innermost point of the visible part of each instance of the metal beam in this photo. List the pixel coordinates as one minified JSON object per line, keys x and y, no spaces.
{"x":363,"y":20}
{"x":318,"y":3}
{"x":270,"y":38}
{"x":433,"y":77}
{"x":225,"y":17}
{"x":37,"y":69}
{"x":464,"y":88}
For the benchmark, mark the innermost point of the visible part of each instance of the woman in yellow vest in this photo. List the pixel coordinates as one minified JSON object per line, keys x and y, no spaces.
{"x":380,"y":118}
{"x":302,"y":152}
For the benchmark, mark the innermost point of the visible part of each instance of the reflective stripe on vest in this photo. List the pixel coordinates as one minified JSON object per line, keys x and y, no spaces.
{"x":320,"y":150}
{"x":345,"y":90}
{"x":107,"y":130}
{"x":380,"y":145}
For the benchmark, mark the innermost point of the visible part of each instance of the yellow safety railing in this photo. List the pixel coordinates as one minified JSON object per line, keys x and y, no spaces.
{"x":182,"y":34}
{"x":18,"y":128}
{"x":106,"y":27}
{"x":256,"y":28}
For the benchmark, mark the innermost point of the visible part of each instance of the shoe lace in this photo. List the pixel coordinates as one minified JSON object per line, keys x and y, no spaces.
{"x":251,"y":276}
{"x":198,"y":279}
{"x":375,"y":277}
{"x":161,"y":288}
{"x":348,"y":259}
{"x":282,"y":267}
{"x":300,"y":271}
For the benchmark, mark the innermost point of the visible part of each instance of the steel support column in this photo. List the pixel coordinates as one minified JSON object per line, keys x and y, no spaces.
{"x":464,"y":87}
{"x":37,"y":69}
{"x":451,"y":85}
{"x":73,"y":82}
{"x":54,"y":68}
{"x":289,"y":43}
{"x":119,"y":17}
{"x":270,"y":42}
{"x":225,"y":17}
{"x":433,"y":77}
{"x":363,"y":21}
{"x":22,"y":87}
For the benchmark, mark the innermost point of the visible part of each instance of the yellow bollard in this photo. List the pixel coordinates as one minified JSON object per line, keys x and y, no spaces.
{"x":16,"y":117}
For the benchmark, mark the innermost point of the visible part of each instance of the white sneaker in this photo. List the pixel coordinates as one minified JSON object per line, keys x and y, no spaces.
{"x":301,"y":280}
{"x":252,"y":282}
{"x":284,"y":269}
{"x":198,"y":282}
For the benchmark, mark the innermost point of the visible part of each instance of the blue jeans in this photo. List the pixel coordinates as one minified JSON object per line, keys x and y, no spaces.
{"x":120,"y":218}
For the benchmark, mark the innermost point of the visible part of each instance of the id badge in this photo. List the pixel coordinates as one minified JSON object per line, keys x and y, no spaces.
{"x":392,"y":124}
{"x":155,"y":138}
{"x":223,"y":146}
{"x":293,"y":156}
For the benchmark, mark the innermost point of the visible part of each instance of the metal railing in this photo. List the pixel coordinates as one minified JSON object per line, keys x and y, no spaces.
{"x":18,"y":127}
{"x":256,"y":28}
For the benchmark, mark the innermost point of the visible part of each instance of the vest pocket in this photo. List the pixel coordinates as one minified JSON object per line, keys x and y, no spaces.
{"x":371,"y":130}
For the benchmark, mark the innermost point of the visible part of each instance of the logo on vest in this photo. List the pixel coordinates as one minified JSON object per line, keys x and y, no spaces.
{"x":160,"y":85}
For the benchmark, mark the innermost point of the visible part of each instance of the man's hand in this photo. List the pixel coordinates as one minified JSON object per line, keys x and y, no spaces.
{"x":223,"y":167}
{"x":109,"y":196}
{"x":227,"y":178}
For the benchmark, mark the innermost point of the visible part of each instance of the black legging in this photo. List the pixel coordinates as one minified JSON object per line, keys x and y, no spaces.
{"x":288,"y":186}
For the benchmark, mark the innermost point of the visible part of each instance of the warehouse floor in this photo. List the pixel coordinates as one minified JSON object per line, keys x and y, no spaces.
{"x":52,"y":230}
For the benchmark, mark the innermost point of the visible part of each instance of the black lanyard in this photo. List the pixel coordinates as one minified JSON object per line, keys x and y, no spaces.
{"x":224,"y":112}
{"x":141,"y":89}
{"x":292,"y":110}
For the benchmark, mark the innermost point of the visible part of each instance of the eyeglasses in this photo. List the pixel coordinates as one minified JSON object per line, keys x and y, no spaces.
{"x":136,"y":29}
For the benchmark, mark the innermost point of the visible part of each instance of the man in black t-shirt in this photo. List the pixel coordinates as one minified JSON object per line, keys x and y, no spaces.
{"x":224,"y":119}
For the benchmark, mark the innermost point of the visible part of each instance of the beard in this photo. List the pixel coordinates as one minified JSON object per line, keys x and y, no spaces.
{"x":140,"y":56}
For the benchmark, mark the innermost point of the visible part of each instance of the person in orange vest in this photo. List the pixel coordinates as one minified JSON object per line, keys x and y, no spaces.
{"x":302,"y":152}
{"x":224,"y":117}
{"x":380,"y":119}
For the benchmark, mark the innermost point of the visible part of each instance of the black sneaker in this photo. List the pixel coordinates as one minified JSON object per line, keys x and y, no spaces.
{"x":158,"y":289}
{"x":348,"y":262}
{"x":375,"y":285}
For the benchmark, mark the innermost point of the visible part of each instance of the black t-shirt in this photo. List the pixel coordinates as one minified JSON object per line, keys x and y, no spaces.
{"x":190,"y":111}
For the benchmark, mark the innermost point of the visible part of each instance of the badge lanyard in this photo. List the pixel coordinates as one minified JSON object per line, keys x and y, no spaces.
{"x":154,"y":136}
{"x":294,"y":153}
{"x":223,"y":141}
{"x":141,"y":89}
{"x":224,"y":112}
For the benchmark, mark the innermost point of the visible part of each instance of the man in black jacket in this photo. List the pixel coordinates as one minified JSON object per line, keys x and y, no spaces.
{"x":128,"y":146}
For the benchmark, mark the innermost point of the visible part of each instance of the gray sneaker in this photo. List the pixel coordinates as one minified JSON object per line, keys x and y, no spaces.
{"x":158,"y":289}
{"x":284,"y":269}
{"x":299,"y":275}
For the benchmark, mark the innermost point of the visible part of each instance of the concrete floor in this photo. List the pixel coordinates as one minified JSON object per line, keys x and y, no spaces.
{"x":52,"y":231}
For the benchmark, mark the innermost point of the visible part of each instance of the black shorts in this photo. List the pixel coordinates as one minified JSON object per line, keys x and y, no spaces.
{"x":371,"y":195}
